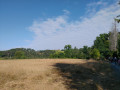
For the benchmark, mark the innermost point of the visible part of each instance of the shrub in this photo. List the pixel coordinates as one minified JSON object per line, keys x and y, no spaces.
{"x":95,"y":54}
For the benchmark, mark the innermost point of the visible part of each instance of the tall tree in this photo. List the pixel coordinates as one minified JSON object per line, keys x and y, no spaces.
{"x":68,"y":51}
{"x":86,"y":51}
{"x":75,"y":52}
{"x":102,"y":44}
{"x":113,"y":38}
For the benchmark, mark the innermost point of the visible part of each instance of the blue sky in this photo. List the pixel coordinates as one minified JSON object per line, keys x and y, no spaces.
{"x":51,"y":24}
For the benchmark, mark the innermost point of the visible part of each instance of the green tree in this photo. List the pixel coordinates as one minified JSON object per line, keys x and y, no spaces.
{"x":119,"y":45}
{"x":58,"y":54}
{"x":68,"y":51}
{"x":19,"y":55}
{"x":95,"y":54}
{"x":81,"y":55}
{"x":102,"y":44}
{"x":86,"y":50}
{"x":75,"y":52}
{"x":67,"y":47}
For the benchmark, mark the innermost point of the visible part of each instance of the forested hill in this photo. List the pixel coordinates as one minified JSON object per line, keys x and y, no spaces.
{"x":99,"y":50}
{"x":25,"y":53}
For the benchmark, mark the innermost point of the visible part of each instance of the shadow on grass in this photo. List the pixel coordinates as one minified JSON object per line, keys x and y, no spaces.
{"x":88,"y":76}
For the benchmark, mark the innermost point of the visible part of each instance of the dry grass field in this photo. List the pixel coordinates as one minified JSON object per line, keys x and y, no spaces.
{"x":56,"y":74}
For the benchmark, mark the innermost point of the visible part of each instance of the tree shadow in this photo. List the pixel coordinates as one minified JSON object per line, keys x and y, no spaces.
{"x":88,"y":76}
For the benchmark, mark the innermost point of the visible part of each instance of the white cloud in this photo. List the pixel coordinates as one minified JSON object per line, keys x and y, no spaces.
{"x":97,"y":3}
{"x":66,"y":11}
{"x":93,"y":7}
{"x":54,"y":33}
{"x":48,"y":27}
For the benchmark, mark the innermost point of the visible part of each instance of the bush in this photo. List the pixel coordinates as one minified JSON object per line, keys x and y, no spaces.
{"x":95,"y":54}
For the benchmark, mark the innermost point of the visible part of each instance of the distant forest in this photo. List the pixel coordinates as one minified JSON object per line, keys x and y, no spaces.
{"x":99,"y":50}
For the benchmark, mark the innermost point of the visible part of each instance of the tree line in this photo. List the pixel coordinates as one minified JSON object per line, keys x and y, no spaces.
{"x":99,"y":50}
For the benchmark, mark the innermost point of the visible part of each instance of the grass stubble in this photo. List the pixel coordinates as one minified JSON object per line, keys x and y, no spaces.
{"x":56,"y":74}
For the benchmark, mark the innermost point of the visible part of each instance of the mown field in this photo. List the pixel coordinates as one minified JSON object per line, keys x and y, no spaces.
{"x":57,"y":74}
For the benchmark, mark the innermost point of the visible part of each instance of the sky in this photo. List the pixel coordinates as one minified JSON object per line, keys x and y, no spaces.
{"x":52,"y":24}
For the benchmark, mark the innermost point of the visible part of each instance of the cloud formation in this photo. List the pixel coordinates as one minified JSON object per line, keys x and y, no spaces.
{"x":55,"y":33}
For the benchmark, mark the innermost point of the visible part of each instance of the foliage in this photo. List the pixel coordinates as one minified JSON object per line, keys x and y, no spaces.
{"x":19,"y":55}
{"x":102,"y":44}
{"x":86,"y":51}
{"x":100,"y":50}
{"x":45,"y":53}
{"x":119,"y":45}
{"x":95,"y":54}
{"x":75,"y":52}
{"x":58,"y":54}
{"x":68,"y":51}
